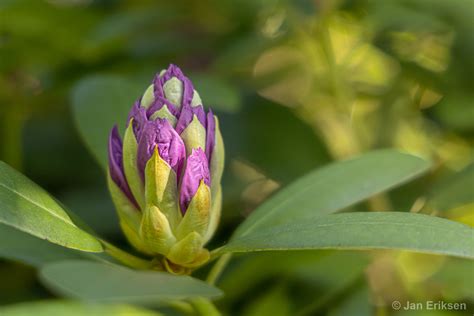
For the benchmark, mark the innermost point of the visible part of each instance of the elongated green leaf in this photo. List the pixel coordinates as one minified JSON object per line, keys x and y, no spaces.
{"x":71,"y":308}
{"x":100,"y":102}
{"x":372,"y":230}
{"x":106,"y":282}
{"x":20,"y":246}
{"x":27,"y":207}
{"x":335,"y":187}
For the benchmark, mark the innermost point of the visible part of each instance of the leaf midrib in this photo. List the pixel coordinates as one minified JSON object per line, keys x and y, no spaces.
{"x":38,"y":205}
{"x":304,"y":229}
{"x":304,"y":190}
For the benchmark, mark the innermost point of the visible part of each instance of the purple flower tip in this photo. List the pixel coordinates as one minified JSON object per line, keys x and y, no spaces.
{"x":158,"y":104}
{"x":139,"y":115}
{"x":187,"y":114}
{"x":160,"y":134}
{"x":174,"y":71}
{"x":197,"y":170}
{"x":116,"y":165}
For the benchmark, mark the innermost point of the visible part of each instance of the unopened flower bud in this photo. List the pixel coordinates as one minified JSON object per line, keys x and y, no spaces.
{"x":165,"y":177}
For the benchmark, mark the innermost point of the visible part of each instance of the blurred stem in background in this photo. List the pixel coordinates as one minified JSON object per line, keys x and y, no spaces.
{"x":129,"y":259}
{"x":218,"y":268}
{"x":13,"y":122}
{"x":204,"y":307}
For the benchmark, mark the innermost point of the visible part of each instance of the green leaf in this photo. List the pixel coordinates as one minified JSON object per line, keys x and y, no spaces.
{"x":328,"y":269}
{"x":454,"y":190}
{"x":27,"y":207}
{"x":71,"y":308}
{"x":100,"y":102}
{"x":92,"y":204}
{"x":332,"y":188}
{"x":109,"y":283}
{"x":362,"y":231}
{"x":17,"y":245}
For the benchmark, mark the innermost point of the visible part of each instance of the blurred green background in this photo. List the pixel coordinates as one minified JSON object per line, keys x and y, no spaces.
{"x":296,"y":85}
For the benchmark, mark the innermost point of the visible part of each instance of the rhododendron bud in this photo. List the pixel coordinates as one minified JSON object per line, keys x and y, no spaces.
{"x":165,"y":176}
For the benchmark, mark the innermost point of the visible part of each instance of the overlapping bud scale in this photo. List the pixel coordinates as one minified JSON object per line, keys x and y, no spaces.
{"x":165,"y":176}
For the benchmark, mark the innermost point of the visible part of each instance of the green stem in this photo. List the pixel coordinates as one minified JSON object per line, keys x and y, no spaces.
{"x":183,"y":307}
{"x":218,"y":268}
{"x":127,"y":258}
{"x":205,"y":307}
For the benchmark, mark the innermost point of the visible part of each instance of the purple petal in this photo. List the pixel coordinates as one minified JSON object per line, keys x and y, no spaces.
{"x":158,"y":104}
{"x":200,"y":113}
{"x":188,"y":91}
{"x":138,"y":113}
{"x":174,"y":71}
{"x":197,"y":169}
{"x":116,"y":165}
{"x":159,"y":133}
{"x":186,"y":117}
{"x":210,"y":135}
